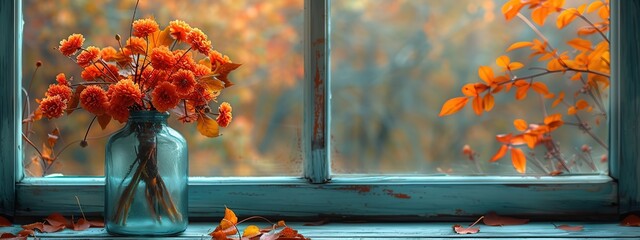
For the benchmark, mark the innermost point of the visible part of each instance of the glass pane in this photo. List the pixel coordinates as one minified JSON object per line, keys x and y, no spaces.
{"x":395,"y":63}
{"x":265,"y":36}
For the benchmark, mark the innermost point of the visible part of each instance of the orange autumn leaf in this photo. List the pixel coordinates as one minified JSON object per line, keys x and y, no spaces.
{"x":594,"y":6}
{"x":530,"y":139}
{"x":566,"y":17}
{"x":104,"y":120}
{"x":56,"y":220}
{"x":477,"y":105}
{"x":207,"y":126}
{"x":227,"y":225}
{"x":465,"y":230}
{"x":580,"y":44}
{"x":506,"y":64}
{"x":571,"y":110}
{"x":159,"y":38}
{"x":488,"y":102}
{"x":520,"y":124}
{"x":519,"y":45}
{"x":501,"y":152}
{"x":582,"y":104}
{"x":570,"y":228}
{"x":81,"y":224}
{"x":518,"y":160}
{"x":222,"y":72}
{"x":486,"y":74}
{"x":75,"y":99}
{"x":521,"y":93}
{"x":453,"y":105}
{"x":540,"y":88}
{"x":553,"y":121}
{"x":604,"y":13}
{"x":558,"y":100}
{"x":469,"y":89}
{"x":511,"y":8}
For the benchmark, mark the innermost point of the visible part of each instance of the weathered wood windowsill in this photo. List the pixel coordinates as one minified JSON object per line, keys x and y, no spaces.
{"x":199,"y":230}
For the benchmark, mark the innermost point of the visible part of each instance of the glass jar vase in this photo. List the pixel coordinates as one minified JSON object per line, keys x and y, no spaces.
{"x":146,"y":171}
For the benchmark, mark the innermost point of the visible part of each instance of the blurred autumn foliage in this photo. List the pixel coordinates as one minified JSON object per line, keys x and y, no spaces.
{"x":392,"y":65}
{"x":584,"y":64}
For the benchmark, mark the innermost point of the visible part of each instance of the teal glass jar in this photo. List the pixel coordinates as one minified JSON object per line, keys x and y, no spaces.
{"x":146,"y":171}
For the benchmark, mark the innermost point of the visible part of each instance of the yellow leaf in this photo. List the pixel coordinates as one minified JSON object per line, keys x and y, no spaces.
{"x":211,"y":83}
{"x":511,"y":8}
{"x":503,"y":61}
{"x":453,"y":105}
{"x":580,"y":44}
{"x":594,"y":6}
{"x":604,"y":13}
{"x":486,"y":74}
{"x":566,"y":17}
{"x":208,"y":127}
{"x":159,"y":38}
{"x":520,"y":124}
{"x":518,"y":160}
{"x":488,"y":102}
{"x":519,"y":45}
{"x":515,"y":66}
{"x":251,"y":231}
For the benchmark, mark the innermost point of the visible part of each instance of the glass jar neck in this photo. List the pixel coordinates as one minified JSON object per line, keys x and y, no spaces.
{"x":148,"y":116}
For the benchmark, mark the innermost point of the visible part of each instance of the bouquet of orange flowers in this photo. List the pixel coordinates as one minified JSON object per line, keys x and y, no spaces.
{"x":147,"y":72}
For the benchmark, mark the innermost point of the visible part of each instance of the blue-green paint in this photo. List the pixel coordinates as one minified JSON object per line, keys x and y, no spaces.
{"x":381,"y":198}
{"x":627,"y":67}
{"x":535,"y":230}
{"x":10,"y":99}
{"x":316,"y":130}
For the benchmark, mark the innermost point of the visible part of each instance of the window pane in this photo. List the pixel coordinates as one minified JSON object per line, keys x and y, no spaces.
{"x":394,"y":64}
{"x":265,"y":36}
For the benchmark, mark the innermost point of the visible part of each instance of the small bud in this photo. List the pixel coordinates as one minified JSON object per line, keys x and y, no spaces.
{"x":585,"y":148}
{"x":604,"y":158}
{"x":84,"y":143}
{"x":118,"y":37}
{"x":38,"y":63}
{"x":207,"y":109}
{"x":466,"y":150}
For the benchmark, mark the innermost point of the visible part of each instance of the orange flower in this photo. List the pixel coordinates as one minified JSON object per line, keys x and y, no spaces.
{"x":198,"y":41}
{"x":144,"y":27}
{"x":218,"y":59}
{"x":88,"y":56}
{"x":162,"y":58}
{"x":124,"y":94}
{"x":63,"y":91}
{"x":184,"y":81}
{"x":224,"y":114}
{"x":179,"y":30}
{"x":184,"y":60}
{"x":53,"y":107}
{"x":118,"y":112}
{"x":91,"y":73}
{"x":200,"y":70}
{"x":108,"y":54}
{"x":71,"y":45}
{"x":200,"y":96}
{"x":165,"y":97}
{"x":62,"y":79}
{"x":137,"y":45}
{"x":94,"y":99}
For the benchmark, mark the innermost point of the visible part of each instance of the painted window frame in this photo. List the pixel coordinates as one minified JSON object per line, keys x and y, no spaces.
{"x":319,"y":194}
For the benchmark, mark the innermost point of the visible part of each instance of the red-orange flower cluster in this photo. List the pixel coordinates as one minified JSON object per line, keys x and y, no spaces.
{"x":94,"y":99}
{"x":198,"y":41}
{"x":224,"y":114}
{"x":88,"y":56}
{"x":145,"y":74}
{"x":144,"y":27}
{"x":71,"y":45}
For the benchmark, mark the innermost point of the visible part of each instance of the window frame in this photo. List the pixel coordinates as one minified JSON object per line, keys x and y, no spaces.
{"x":319,"y":194}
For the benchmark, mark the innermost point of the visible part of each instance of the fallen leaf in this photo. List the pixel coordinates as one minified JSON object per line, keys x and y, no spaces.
{"x":493,"y":219}
{"x":570,"y":228}
{"x":631,"y":221}
{"x":49,"y":228}
{"x":465,"y":230}
{"x":26,"y":233}
{"x":82,"y":224}
{"x":33,"y":226}
{"x":56,"y":220}
{"x":5,"y":222}
{"x":10,"y":236}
